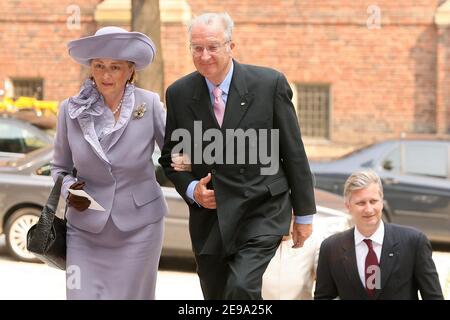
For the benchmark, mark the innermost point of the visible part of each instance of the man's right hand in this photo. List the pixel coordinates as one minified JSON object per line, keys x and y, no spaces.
{"x":203,"y":196}
{"x":79,"y":203}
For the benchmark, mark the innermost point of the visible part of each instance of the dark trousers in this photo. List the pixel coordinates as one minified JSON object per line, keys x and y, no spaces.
{"x":238,"y":276}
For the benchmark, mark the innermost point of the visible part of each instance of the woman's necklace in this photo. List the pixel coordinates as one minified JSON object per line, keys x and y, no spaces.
{"x":118,"y":107}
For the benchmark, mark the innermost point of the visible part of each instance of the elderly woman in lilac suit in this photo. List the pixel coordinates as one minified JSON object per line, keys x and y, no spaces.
{"x":108,"y":133}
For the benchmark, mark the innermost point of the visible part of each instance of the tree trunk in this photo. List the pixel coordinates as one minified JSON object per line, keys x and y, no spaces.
{"x":145,"y":18}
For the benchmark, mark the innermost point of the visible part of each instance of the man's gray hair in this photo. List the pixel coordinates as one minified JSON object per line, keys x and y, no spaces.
{"x":211,"y":18}
{"x":361,"y":180}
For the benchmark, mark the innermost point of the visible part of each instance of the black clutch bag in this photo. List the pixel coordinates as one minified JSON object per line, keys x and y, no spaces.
{"x":47,"y":239}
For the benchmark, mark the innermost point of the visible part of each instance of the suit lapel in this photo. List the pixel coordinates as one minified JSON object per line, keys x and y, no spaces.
{"x":201,"y":103}
{"x":389,"y":256}
{"x":350,"y":264}
{"x":239,"y":99}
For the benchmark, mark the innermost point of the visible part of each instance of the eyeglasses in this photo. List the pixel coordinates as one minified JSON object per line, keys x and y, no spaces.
{"x":214,"y":48}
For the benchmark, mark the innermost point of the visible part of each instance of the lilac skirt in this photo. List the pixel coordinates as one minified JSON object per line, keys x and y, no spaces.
{"x":113,"y":264}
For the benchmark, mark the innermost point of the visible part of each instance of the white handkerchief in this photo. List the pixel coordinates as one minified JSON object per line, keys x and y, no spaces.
{"x":94,"y":204}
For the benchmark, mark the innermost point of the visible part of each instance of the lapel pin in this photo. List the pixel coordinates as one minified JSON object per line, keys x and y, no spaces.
{"x":391,"y":254}
{"x":242,"y":103}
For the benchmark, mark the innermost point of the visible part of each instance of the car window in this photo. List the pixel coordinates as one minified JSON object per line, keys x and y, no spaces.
{"x":18,"y":140}
{"x":392,"y":162}
{"x":428,"y":160}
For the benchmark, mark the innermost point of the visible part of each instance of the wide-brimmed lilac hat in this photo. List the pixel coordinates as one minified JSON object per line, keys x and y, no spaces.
{"x":114,"y":43}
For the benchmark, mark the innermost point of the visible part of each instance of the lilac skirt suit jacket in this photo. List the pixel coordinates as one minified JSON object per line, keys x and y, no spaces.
{"x":117,"y":167}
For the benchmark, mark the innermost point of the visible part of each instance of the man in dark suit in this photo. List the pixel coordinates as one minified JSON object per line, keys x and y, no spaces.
{"x":240,"y":203}
{"x":375,"y":260}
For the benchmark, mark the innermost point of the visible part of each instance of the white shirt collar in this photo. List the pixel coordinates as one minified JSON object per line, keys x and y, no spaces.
{"x":376,"y":237}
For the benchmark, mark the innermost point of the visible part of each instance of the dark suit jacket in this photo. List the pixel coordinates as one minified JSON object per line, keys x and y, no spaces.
{"x":248,"y":204}
{"x":406,"y":267}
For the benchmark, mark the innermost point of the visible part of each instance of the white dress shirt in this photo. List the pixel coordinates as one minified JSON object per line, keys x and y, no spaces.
{"x":362,"y":249}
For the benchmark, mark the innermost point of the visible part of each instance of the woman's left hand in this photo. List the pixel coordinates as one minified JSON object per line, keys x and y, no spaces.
{"x":181,"y":162}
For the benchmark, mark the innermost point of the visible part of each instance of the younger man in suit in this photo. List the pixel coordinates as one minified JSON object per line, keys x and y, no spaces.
{"x":375,"y":260}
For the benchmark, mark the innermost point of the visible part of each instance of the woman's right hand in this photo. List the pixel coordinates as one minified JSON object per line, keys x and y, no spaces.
{"x":181,"y":162}
{"x":79,"y":203}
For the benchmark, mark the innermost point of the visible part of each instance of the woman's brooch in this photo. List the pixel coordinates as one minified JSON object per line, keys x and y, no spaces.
{"x":139,"y":111}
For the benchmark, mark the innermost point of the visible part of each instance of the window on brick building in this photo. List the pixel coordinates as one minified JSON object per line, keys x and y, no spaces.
{"x":313,"y":109}
{"x":28,"y":87}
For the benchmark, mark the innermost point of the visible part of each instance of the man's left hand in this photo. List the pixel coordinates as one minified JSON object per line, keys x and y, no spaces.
{"x":300,"y":232}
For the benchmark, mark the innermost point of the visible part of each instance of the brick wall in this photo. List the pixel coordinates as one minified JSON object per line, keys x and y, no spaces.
{"x":177,"y":58}
{"x":33,"y":37}
{"x":383,"y":81}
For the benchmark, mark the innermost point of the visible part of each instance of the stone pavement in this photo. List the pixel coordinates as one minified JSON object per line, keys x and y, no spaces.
{"x":24,"y":281}
{"x":30,"y":281}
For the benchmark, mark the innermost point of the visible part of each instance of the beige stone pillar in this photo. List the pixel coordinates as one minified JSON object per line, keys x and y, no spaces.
{"x":118,"y":12}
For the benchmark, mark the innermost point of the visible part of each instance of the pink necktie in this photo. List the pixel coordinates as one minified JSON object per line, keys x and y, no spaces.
{"x":219,"y":106}
{"x":371,"y":260}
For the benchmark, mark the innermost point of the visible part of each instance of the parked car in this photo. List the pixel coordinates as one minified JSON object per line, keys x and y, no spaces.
{"x":25,"y":184}
{"x":415,"y":177}
{"x":18,"y":137}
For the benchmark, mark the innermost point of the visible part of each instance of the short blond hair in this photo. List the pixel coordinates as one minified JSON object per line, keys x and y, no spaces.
{"x":361,"y":180}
